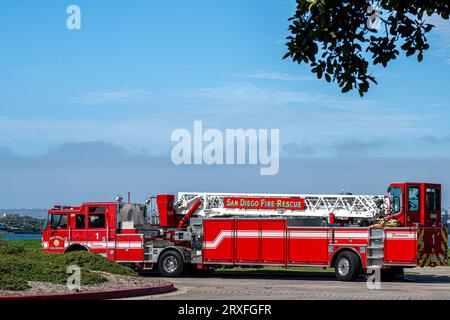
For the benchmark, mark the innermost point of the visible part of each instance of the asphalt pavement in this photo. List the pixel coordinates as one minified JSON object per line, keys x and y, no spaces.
{"x":426,"y":283}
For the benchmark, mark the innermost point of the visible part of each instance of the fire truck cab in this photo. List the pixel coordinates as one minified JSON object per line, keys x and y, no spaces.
{"x":351,"y":233}
{"x":107,"y":228}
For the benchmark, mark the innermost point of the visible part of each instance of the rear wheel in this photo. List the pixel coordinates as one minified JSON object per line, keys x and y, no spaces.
{"x":192,"y":270}
{"x":347,"y":266}
{"x":171,"y":264}
{"x":392,"y":274}
{"x":399,"y":273}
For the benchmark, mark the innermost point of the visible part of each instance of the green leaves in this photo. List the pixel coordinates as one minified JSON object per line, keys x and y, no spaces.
{"x":334,"y":38}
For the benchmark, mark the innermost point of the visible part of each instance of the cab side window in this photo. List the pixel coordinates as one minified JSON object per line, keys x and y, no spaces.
{"x":80,"y":222}
{"x":433,"y":199}
{"x":97,"y":217}
{"x":413,"y":198}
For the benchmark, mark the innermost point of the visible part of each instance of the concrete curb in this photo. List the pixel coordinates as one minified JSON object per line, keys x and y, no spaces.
{"x":97,"y":295}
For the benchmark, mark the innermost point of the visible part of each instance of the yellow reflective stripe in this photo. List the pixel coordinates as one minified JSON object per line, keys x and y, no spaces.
{"x":444,"y":235}
{"x":420,"y":240}
{"x":427,"y":262}
{"x":438,"y":259}
{"x":423,"y":260}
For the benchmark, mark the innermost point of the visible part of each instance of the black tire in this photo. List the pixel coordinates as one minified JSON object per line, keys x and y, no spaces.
{"x":347,"y":266}
{"x":399,"y":273}
{"x":193,"y":271}
{"x":387,"y":275}
{"x":392,"y":274}
{"x":171,"y":264}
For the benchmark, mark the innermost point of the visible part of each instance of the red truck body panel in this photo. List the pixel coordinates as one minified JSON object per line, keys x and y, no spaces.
{"x":272,"y":242}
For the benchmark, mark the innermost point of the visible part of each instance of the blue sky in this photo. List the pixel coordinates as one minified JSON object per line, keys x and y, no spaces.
{"x":138,"y":70}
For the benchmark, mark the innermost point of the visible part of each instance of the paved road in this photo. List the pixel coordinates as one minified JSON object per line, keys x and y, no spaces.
{"x":430,"y":283}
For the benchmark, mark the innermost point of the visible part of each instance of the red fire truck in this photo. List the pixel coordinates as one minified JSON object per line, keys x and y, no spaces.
{"x":215,"y":230}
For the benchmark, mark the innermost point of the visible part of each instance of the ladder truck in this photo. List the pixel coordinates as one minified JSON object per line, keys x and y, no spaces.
{"x":353,"y":234}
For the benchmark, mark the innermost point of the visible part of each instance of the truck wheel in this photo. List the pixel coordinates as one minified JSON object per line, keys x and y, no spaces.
{"x":170,"y":264}
{"x":399,"y":273}
{"x":192,"y":270}
{"x":392,"y":274}
{"x":347,"y":266}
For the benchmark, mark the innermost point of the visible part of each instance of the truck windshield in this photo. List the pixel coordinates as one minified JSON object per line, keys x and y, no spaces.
{"x":395,"y":194}
{"x":45,"y":224}
{"x":58,"y":221}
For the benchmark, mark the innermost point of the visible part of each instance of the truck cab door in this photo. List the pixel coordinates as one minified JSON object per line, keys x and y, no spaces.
{"x":433,"y":236}
{"x":96,"y":229}
{"x":78,"y":227}
{"x":413,"y":204}
{"x":58,"y":232}
{"x":432,"y":206}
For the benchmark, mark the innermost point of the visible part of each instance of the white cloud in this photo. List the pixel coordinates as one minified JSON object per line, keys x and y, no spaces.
{"x":20,"y":72}
{"x":297,"y":113}
{"x":273,"y":75}
{"x":438,"y":105}
{"x":442,"y":29}
{"x":243,"y":93}
{"x":31,"y":136}
{"x":76,"y":173}
{"x":124,"y":95}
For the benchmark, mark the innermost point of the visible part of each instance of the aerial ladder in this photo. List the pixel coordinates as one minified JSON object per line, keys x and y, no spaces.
{"x":338,"y":206}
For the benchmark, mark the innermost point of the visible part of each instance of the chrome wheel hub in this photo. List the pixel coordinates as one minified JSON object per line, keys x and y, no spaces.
{"x":170,"y":264}
{"x":343,"y":267}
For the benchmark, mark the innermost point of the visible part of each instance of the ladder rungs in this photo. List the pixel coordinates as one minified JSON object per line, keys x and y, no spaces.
{"x":314,"y":205}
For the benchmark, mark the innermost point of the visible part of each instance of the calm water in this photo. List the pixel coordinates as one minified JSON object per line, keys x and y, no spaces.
{"x":20,"y":236}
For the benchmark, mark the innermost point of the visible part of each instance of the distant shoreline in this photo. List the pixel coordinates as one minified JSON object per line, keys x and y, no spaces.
{"x":19,"y":236}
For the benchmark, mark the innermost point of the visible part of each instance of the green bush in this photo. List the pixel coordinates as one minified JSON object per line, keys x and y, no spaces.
{"x":13,"y":284}
{"x":20,"y":263}
{"x":13,"y":248}
{"x":95,"y":262}
{"x":29,"y":243}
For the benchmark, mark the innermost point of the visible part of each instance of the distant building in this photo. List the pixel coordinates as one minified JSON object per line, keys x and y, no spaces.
{"x":446,"y":216}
